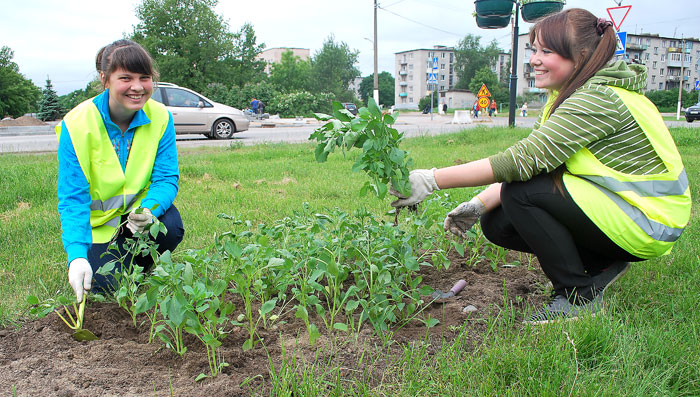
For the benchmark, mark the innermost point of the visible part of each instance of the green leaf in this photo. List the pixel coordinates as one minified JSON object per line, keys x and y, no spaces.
{"x":313,"y":334}
{"x":32,"y":300}
{"x":188,"y":274}
{"x":320,"y":154}
{"x":302,"y":313}
{"x":431,"y":322}
{"x":458,"y":247}
{"x":341,"y":327}
{"x":268,"y":306}
{"x":322,"y":116}
{"x":373,"y":108}
{"x":247,"y":345}
{"x":201,"y":377}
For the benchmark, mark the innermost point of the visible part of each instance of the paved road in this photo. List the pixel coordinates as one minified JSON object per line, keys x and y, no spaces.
{"x":23,"y":139}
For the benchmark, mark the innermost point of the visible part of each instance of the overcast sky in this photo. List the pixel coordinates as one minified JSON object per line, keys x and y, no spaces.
{"x":60,"y":38}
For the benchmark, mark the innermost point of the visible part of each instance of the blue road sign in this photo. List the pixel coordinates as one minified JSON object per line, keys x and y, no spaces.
{"x":697,"y":84}
{"x":435,"y":63}
{"x":432,"y":78}
{"x":621,"y":43}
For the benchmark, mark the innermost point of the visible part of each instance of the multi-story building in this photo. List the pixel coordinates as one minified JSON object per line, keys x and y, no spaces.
{"x":664,"y":58}
{"x":412,"y":69}
{"x":274,"y":55}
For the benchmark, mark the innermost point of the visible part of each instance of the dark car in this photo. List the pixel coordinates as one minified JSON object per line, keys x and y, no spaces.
{"x":350,"y":108}
{"x":692,"y":113}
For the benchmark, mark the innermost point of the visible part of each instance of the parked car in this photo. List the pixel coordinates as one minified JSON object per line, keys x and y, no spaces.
{"x":194,"y":113}
{"x":692,"y":113}
{"x":351,"y":108}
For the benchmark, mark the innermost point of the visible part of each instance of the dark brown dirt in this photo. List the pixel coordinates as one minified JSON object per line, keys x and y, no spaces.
{"x":42,"y":359}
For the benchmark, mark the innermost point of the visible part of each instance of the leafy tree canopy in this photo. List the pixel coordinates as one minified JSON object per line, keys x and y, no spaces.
{"x":333,"y":68}
{"x":291,"y":74}
{"x":470,"y":56}
{"x":386,"y":88}
{"x":18,"y":95}
{"x":193,"y":46}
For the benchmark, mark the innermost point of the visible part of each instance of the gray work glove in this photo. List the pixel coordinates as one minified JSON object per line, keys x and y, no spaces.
{"x":137,"y":222}
{"x":462,"y":218}
{"x":422,"y":185}
{"x":80,"y":277}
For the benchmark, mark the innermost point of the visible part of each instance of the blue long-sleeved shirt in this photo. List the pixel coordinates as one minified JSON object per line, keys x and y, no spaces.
{"x":74,"y":191}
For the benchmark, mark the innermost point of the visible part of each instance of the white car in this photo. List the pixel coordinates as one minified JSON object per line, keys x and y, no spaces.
{"x":194,"y":113}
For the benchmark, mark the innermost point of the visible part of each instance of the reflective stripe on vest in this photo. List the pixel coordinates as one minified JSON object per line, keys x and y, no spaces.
{"x":643,"y":214}
{"x":113,"y":191}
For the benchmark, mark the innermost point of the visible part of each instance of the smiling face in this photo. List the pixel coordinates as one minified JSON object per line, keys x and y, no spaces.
{"x":551,"y":69}
{"x":128,"y":93}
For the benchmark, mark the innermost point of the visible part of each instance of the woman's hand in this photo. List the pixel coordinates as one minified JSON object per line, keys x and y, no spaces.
{"x":462,"y":218}
{"x":422,"y":185}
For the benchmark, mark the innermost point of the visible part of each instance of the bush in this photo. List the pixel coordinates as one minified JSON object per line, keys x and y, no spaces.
{"x":667,"y":100}
{"x":300,"y":103}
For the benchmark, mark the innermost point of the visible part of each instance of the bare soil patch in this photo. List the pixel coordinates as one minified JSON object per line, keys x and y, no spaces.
{"x":21,"y":122}
{"x":42,"y":359}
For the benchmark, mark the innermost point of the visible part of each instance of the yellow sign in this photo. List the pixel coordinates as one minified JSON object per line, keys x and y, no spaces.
{"x":483,"y":91}
{"x":483,"y":102}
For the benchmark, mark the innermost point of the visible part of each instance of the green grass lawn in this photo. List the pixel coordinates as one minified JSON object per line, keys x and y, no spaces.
{"x":646,"y":343}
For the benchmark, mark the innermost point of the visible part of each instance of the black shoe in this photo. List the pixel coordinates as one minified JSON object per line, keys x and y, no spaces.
{"x":560,"y":309}
{"x":602,"y":281}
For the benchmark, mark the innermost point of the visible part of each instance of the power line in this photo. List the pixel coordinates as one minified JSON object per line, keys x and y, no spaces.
{"x":420,"y":23}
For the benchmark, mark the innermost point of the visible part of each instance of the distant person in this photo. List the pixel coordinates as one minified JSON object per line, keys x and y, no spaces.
{"x":523,"y":109}
{"x":261,"y":107}
{"x":475,"y":108}
{"x":492,"y":108}
{"x":576,"y":192}
{"x":116,"y":153}
{"x":444,"y":107}
{"x":254,"y":106}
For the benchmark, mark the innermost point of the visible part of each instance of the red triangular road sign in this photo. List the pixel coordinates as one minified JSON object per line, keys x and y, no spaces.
{"x":618,"y":11}
{"x":483,"y":91}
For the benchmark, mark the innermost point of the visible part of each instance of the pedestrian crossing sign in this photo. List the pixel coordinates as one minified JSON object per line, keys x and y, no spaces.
{"x":483,"y":91}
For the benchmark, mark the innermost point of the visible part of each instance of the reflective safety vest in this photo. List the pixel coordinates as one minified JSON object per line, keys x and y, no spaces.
{"x":643,"y":214}
{"x":114,"y":191}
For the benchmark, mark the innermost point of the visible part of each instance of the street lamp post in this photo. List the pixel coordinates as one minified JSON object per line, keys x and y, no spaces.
{"x":376,"y":76}
{"x":514,"y":70}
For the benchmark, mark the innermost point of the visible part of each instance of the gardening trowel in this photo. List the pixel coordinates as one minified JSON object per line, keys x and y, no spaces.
{"x":459,"y":285}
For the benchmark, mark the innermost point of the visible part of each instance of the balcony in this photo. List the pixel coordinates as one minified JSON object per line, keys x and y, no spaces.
{"x":403,"y":83}
{"x":403,"y":94}
{"x":636,"y":46}
{"x":535,"y":90}
{"x":403,"y":72}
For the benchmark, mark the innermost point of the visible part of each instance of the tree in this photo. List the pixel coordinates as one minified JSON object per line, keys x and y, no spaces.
{"x":486,"y":76}
{"x":73,"y":99}
{"x":49,"y":106}
{"x":18,"y":95}
{"x":470,"y":56}
{"x":192,"y":45}
{"x":333,"y":68}
{"x":386,"y":88}
{"x":247,"y":68}
{"x":291,"y":74}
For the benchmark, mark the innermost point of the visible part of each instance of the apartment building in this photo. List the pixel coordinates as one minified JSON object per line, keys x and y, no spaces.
{"x":411,"y":74}
{"x":664,"y":58}
{"x":274,"y":55}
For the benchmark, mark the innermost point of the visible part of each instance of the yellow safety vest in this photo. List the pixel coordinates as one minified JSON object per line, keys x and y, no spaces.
{"x":643,"y":214}
{"x":114,"y":191}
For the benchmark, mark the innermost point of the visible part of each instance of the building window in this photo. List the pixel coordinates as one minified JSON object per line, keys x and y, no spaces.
{"x":410,"y":67}
{"x":452,"y":57}
{"x":442,"y":88}
{"x":661,"y":72}
{"x":410,"y":56}
{"x":443,"y":54}
{"x":653,"y":65}
{"x":442,"y":77}
{"x":653,"y":78}
{"x":410,"y":88}
{"x":442,"y":66}
{"x":410,"y":77}
{"x":656,"y":50}
{"x":661,"y":86}
{"x":530,"y":83}
{"x":663,"y":57}
{"x":410,"y":99}
{"x":646,"y":56}
{"x":663,"y":43}
{"x":648,"y":41}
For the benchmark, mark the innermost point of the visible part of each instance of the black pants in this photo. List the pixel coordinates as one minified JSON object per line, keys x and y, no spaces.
{"x":535,"y":217}
{"x":99,"y":254}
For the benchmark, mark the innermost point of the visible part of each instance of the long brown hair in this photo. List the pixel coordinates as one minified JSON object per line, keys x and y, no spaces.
{"x":574,"y":34}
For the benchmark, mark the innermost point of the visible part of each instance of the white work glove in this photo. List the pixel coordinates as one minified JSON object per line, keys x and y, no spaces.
{"x":422,"y":185}
{"x":137,"y":222}
{"x":80,"y":277}
{"x":462,"y":218}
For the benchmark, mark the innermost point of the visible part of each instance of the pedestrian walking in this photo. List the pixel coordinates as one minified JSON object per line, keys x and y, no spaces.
{"x":492,"y":108}
{"x":523,"y":109}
